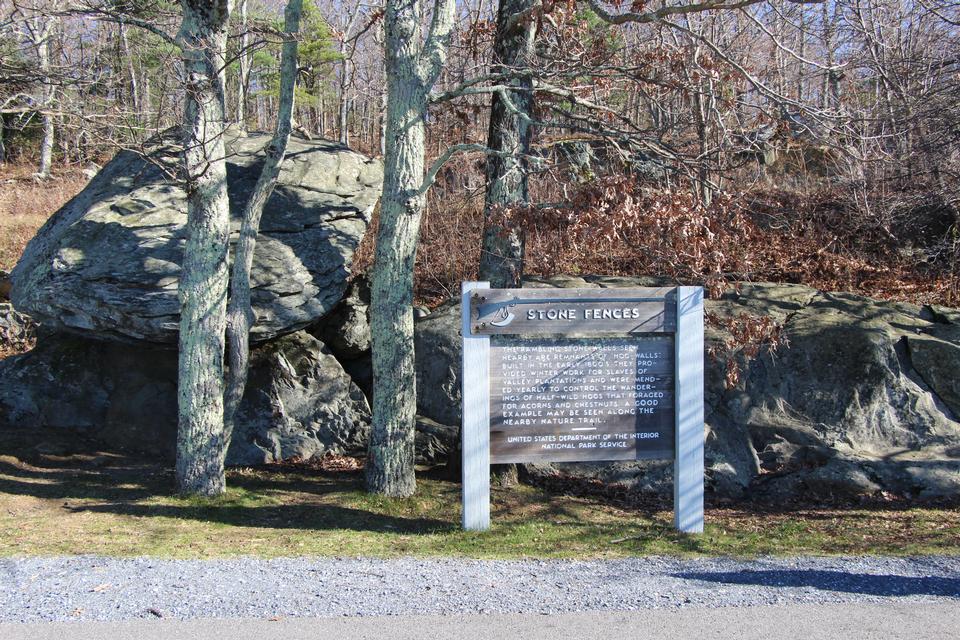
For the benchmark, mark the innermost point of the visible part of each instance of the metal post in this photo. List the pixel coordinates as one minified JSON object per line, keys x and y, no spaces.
{"x":475,"y":429}
{"x":688,"y":464}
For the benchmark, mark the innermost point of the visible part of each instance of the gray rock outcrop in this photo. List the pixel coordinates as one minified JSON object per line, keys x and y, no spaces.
{"x":439,"y":348}
{"x":16,"y":329}
{"x":298,"y":402}
{"x":864,"y":398}
{"x":346,"y":330}
{"x":434,"y":442}
{"x":5,"y":285}
{"x":106,"y":265}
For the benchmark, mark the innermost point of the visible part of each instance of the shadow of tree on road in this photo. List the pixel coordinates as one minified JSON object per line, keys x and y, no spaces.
{"x":841,"y":581}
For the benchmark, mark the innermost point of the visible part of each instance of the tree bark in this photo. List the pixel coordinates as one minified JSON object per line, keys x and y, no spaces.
{"x":390,"y":465}
{"x":501,"y":256}
{"x":131,"y":71}
{"x":343,"y":111}
{"x":503,"y":245}
{"x":44,"y":44}
{"x":201,"y":437}
{"x":240,"y":316}
{"x":243,"y":72}
{"x":412,"y":68}
{"x":346,"y":76}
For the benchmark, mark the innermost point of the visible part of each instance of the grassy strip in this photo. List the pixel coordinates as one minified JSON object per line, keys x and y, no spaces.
{"x":107,"y":504}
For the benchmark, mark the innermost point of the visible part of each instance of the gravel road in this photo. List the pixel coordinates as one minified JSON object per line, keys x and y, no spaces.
{"x":99,"y":588}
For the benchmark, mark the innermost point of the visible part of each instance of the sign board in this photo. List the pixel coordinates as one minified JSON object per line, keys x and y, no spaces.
{"x":555,"y":400}
{"x":571,"y":375}
{"x":572,"y":311}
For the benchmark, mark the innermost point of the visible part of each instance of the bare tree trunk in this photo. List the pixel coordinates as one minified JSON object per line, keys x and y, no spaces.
{"x":145,"y":100}
{"x":383,"y":122}
{"x":131,"y":71}
{"x":243,"y":72}
{"x":509,"y":135}
{"x":46,"y":147}
{"x":44,"y":46}
{"x":321,"y":115}
{"x":412,"y":69}
{"x":379,"y":37}
{"x":346,"y":75}
{"x":201,"y":437}
{"x":501,"y":257}
{"x":240,"y":316}
{"x":344,"y":106}
{"x":390,"y":466}
{"x":261,"y":111}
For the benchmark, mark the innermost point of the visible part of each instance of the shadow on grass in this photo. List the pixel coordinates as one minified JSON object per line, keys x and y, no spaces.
{"x":318,"y":517}
{"x":842,"y":581}
{"x":104,"y":496}
{"x":99,"y":482}
{"x":637,"y":531}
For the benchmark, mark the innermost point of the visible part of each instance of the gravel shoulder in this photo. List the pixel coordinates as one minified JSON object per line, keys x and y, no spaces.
{"x":91,"y":588}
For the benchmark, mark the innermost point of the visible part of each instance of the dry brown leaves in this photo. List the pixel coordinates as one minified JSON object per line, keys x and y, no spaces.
{"x":329,"y":463}
{"x":750,"y":335}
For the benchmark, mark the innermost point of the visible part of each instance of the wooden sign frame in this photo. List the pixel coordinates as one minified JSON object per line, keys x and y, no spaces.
{"x":674,"y":310}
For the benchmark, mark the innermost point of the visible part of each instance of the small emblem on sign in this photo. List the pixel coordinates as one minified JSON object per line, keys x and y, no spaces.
{"x":504,"y":317}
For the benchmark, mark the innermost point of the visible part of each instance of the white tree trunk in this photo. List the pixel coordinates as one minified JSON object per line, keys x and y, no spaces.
{"x":131,"y":71}
{"x":44,"y":44}
{"x":46,"y":147}
{"x":243,"y":78}
{"x":344,"y":106}
{"x":412,"y":69}
{"x":240,"y":316}
{"x":201,"y":437}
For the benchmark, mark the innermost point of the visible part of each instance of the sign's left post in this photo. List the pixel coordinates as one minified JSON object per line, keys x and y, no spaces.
{"x":475,"y":429}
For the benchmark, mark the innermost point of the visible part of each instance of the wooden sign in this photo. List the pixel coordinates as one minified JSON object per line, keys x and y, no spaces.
{"x":573,"y":311}
{"x":582,"y":375}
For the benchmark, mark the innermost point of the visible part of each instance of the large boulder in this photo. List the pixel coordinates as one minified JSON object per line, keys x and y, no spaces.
{"x":298,"y":403}
{"x":864,"y":398}
{"x":346,"y":330}
{"x":439,"y":348}
{"x":107,"y":264}
{"x":844,"y":409}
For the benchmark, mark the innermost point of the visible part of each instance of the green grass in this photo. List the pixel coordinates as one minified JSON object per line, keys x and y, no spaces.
{"x":117,"y":505}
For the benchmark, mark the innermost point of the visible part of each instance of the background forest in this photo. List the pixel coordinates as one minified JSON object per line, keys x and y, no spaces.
{"x":813,"y":142}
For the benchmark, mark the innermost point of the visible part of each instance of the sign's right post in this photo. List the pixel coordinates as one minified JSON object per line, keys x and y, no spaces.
{"x":688,"y":463}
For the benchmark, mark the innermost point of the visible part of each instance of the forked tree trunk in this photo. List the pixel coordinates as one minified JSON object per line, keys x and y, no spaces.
{"x":412,"y":68}
{"x":501,"y":256}
{"x":201,"y":438}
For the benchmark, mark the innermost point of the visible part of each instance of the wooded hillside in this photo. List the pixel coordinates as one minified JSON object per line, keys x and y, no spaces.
{"x":812,"y":142}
